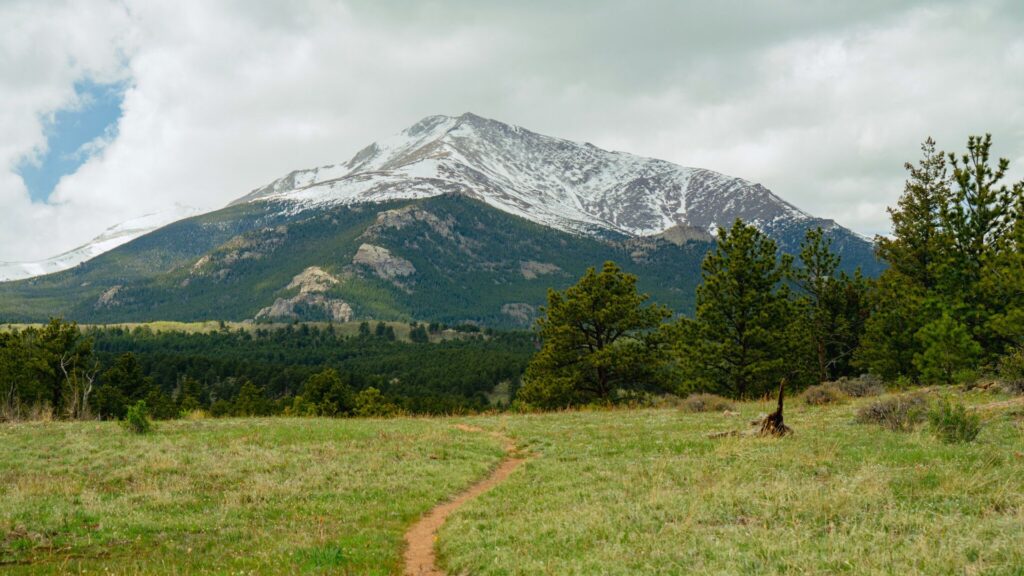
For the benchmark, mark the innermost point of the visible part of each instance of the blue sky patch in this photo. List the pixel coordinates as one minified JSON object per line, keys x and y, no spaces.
{"x":67,"y":134}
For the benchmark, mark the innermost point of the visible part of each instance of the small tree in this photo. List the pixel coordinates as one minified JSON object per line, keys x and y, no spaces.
{"x":947,"y":347}
{"x":328,"y":393}
{"x":370,"y":403}
{"x":136,"y":419}
{"x":599,"y":338}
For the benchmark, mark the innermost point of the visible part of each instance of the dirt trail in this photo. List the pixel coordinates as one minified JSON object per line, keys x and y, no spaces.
{"x":420,"y":559}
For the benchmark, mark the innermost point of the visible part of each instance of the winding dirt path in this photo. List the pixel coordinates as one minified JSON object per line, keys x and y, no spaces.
{"x":420,"y":559}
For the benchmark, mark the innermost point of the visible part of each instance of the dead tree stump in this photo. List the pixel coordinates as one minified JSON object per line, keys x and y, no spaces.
{"x":773,"y":424}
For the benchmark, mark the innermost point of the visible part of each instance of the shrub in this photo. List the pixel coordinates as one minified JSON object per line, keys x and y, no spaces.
{"x":706,"y":403}
{"x":861,"y":386}
{"x":822,"y":394}
{"x":136,"y":419}
{"x":952,"y":423}
{"x":1011,"y":372}
{"x":947,"y":349}
{"x":898,"y":413}
{"x":371,"y":403}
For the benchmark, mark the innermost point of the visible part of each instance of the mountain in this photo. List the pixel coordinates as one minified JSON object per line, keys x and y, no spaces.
{"x":573,"y":187}
{"x":456,"y":219}
{"x":110,"y":238}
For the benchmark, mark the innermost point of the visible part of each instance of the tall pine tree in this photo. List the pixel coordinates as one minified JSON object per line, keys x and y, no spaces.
{"x":737,"y":343}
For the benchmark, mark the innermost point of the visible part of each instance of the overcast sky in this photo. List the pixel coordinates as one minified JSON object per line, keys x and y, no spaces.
{"x":110,"y":110}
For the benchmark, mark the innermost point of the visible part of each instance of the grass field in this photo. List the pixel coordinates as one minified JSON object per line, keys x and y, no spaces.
{"x":622,"y":492}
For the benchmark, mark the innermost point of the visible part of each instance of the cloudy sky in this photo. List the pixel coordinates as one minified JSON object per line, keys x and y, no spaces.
{"x":110,"y":110}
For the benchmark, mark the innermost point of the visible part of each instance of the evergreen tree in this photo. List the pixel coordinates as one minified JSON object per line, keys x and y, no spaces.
{"x":946,"y":348}
{"x":916,"y":250}
{"x":834,"y":305}
{"x":598,"y":338}
{"x":328,"y":394}
{"x":738,"y":344}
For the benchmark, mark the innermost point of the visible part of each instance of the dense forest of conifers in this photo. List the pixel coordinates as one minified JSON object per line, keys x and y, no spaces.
{"x":949,"y":307}
{"x":301,"y":370}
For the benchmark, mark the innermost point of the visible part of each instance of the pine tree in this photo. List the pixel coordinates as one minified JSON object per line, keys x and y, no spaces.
{"x":916,"y":249}
{"x":834,"y":305}
{"x":598,"y":338}
{"x":738,"y":343}
{"x":946,"y":348}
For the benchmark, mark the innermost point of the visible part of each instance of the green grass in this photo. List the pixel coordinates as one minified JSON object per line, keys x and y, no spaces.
{"x":270,"y":496}
{"x":646,"y":492}
{"x":622,"y":492}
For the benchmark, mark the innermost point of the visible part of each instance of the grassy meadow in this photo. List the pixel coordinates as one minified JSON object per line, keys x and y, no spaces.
{"x":260,"y":496}
{"x":614,"y":492}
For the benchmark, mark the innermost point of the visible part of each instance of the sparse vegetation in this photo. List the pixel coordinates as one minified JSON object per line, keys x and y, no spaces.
{"x":136,"y":419}
{"x":704,"y":402}
{"x":952,"y":422}
{"x":861,"y":386}
{"x":821,"y":394}
{"x":899,"y":413}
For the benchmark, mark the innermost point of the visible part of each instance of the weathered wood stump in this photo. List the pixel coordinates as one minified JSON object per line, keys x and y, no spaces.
{"x":773,"y":424}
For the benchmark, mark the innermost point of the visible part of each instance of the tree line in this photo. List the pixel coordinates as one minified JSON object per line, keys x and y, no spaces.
{"x":950,"y":303}
{"x":63,"y":371}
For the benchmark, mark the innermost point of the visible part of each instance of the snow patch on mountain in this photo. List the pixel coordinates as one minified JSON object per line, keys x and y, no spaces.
{"x":573,"y":187}
{"x":111,"y":238}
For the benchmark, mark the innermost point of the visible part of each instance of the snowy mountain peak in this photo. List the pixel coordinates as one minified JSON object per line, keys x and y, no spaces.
{"x":559,"y":183}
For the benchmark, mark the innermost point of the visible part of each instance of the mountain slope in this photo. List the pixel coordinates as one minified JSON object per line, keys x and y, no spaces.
{"x":573,"y":187}
{"x":110,"y":238}
{"x":448,"y":258}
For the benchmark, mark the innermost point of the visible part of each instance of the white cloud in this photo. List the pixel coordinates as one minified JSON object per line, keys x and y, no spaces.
{"x":819,"y":101}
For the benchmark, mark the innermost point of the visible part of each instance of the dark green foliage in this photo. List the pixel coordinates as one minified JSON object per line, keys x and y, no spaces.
{"x":946,"y":348}
{"x":954,"y":295}
{"x":251,"y":401}
{"x":136,"y":419}
{"x":50,"y":369}
{"x":418,"y":333}
{"x":952,"y":423}
{"x":326,"y":395}
{"x":833,"y":305}
{"x":599,"y":339}
{"x":739,"y":344}
{"x":897,"y":413}
{"x":446,"y":377}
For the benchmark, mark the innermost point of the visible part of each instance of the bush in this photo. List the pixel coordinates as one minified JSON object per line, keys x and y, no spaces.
{"x":952,"y":423}
{"x":861,"y":386}
{"x":1011,"y":372}
{"x":898,"y":413}
{"x":947,"y":349}
{"x":706,"y":403}
{"x":370,"y":403}
{"x":822,"y":394}
{"x":136,"y":419}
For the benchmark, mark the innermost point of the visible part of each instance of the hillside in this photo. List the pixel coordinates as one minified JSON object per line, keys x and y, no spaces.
{"x":447,"y":258}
